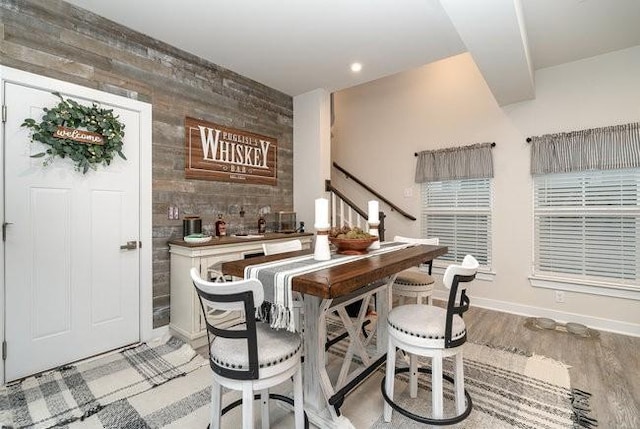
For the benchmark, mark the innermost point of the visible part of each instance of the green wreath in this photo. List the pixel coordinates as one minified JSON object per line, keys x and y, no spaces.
{"x":68,"y":113}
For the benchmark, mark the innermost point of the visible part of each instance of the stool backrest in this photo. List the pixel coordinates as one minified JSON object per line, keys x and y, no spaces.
{"x":427,"y":241}
{"x":281,"y":247}
{"x":432,"y":241}
{"x":453,"y":276}
{"x":244,"y":295}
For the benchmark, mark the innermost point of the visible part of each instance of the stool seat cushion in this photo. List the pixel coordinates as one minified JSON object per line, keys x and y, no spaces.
{"x":424,"y":321}
{"x":414,"y":278}
{"x":274,"y":347}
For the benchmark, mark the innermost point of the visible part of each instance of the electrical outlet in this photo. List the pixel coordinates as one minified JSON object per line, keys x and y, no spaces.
{"x":173,"y":213}
{"x":559,"y":296}
{"x":408,"y":192}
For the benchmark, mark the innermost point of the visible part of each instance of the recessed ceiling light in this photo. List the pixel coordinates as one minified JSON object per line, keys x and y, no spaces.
{"x":356,"y":67}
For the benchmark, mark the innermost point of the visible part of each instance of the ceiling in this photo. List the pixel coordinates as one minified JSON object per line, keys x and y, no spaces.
{"x":299,"y":46}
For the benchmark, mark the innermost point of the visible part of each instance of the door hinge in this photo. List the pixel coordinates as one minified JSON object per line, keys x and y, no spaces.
{"x":4,"y":350}
{"x":4,"y":113}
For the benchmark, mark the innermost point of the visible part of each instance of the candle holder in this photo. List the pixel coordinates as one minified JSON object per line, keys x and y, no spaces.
{"x":321,"y":250}
{"x":373,"y":230}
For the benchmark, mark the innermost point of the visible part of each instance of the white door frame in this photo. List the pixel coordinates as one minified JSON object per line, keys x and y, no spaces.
{"x":144,"y":109}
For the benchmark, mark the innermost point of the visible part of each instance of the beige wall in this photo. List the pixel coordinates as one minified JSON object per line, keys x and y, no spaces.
{"x":311,"y":153}
{"x":380,"y":125}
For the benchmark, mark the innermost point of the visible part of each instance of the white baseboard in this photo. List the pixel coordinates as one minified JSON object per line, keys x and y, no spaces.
{"x":615,"y":326}
{"x":160,"y":332}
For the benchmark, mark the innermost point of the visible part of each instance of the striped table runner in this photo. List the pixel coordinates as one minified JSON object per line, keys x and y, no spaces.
{"x":276,"y":279}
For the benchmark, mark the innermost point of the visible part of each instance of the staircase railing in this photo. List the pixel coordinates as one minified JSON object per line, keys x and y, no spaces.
{"x":374,"y":192}
{"x":346,"y":212}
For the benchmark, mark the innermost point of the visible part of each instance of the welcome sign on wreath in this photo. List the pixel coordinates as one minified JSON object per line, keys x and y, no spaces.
{"x":215,"y":152}
{"x":89,"y":135}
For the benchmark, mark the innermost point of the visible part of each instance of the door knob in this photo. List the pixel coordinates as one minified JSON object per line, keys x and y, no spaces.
{"x":131,"y":245}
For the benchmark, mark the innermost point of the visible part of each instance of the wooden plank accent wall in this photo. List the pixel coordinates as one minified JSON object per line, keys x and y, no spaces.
{"x":56,"y":39}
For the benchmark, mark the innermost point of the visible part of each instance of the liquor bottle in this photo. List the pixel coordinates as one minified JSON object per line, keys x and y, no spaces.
{"x":262,"y":224}
{"x":241,"y":229}
{"x":221,"y":227}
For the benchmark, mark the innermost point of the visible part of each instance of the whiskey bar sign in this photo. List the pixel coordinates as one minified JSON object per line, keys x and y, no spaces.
{"x":226,"y":154}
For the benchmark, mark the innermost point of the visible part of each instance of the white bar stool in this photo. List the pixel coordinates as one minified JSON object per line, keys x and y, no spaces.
{"x":411,"y":283}
{"x":426,"y":330}
{"x":251,"y":356}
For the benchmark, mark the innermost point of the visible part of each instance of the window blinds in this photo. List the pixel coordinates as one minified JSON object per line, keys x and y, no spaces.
{"x":458,"y":212}
{"x":587,"y":225}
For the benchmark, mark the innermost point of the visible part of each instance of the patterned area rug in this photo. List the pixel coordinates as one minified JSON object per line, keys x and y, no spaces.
{"x":166,"y":385}
{"x":102,"y":391}
{"x":508,"y":390}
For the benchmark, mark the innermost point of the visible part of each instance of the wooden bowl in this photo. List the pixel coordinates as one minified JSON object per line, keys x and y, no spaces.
{"x":352,"y":246}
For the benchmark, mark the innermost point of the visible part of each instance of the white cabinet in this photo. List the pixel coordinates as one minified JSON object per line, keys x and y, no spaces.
{"x":186,"y":315}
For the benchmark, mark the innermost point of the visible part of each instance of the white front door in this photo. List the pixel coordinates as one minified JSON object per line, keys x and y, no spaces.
{"x":71,"y":291}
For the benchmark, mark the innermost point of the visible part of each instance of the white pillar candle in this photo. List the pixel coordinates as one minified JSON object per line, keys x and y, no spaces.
{"x":322,"y":213}
{"x":373,"y":211}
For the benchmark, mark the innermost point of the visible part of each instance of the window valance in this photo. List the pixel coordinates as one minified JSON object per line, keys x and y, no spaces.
{"x":598,"y":148}
{"x":465,"y":162}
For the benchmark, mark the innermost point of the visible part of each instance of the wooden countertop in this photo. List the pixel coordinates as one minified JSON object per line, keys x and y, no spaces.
{"x":218,"y":241}
{"x":343,"y":279}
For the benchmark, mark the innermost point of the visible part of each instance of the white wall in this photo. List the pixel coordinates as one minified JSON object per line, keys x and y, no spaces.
{"x":380,"y":125}
{"x":311,"y":152}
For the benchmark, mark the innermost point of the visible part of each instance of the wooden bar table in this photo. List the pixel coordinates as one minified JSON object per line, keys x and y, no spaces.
{"x":342,"y":284}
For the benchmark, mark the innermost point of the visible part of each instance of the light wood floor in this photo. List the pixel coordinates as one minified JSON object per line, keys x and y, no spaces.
{"x":608,"y":366}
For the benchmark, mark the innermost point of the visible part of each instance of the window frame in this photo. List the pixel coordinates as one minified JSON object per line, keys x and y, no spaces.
{"x":584,"y":283}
